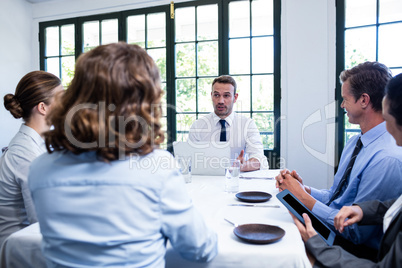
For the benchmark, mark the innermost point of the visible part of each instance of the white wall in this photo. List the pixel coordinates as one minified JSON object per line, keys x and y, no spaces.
{"x":308,"y":71}
{"x":308,"y":86}
{"x":15,"y":57}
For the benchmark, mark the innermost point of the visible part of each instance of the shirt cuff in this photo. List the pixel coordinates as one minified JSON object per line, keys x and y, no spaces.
{"x":322,"y":210}
{"x":262,"y":159}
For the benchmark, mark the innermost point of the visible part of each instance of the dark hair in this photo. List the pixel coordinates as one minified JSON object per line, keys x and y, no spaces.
{"x":370,"y":78}
{"x":34,"y":88}
{"x":225,"y":79}
{"x":393,"y":92}
{"x":112,"y":105}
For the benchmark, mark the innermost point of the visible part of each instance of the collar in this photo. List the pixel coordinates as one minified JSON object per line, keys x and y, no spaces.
{"x":229,"y":119}
{"x":31,"y":133}
{"x":373,"y":134}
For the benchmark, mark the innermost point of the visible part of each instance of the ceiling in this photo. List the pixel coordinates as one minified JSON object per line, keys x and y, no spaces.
{"x":38,"y":1}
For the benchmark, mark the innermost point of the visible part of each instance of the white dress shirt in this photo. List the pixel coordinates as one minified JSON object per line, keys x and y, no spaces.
{"x":391,"y":212}
{"x":16,"y":208}
{"x":241,"y":133}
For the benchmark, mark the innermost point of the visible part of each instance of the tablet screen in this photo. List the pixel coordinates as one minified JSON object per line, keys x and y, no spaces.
{"x":318,"y":225}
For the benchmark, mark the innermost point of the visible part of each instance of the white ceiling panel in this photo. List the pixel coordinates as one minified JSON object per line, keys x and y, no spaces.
{"x":38,"y":1}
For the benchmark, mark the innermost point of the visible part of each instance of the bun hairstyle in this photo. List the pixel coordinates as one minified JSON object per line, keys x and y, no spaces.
{"x":13,"y":105}
{"x":34,"y":88}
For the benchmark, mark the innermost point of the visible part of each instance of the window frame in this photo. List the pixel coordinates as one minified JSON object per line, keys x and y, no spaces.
{"x":341,"y":131}
{"x":223,"y":55}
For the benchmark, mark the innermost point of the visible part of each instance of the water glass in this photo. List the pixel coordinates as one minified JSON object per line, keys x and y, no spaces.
{"x":185,"y":168}
{"x":232,"y":172}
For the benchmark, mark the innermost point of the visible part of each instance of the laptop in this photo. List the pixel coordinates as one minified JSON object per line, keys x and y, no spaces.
{"x":206,"y":158}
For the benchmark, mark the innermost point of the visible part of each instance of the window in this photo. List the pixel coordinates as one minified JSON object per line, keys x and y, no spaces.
{"x":148,"y":30}
{"x":58,"y":52}
{"x":99,"y":32}
{"x":251,"y":62}
{"x":204,"y":40}
{"x":368,"y":30}
{"x":197,"y":63}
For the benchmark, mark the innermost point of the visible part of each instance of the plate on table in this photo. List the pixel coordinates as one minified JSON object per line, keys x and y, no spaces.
{"x":253,"y":196}
{"x":259,"y":233}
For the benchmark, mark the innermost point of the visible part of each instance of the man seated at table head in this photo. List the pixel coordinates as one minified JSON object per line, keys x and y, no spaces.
{"x":370,"y":166}
{"x":225,"y":125}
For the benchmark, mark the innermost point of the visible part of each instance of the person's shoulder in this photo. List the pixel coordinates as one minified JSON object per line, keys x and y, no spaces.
{"x":245,"y":122}
{"x":161,"y":153}
{"x":160,"y":164}
{"x":243,"y":118}
{"x":157,"y":158}
{"x":40,"y":167}
{"x":20,"y":139}
{"x":202,"y":121}
{"x":45,"y":159}
{"x":387,"y":145}
{"x":204,"y":117}
{"x":168,"y":160}
{"x":23,"y":147}
{"x":384,"y":150}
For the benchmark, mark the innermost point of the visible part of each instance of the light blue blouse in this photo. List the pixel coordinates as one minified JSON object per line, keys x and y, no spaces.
{"x":16,"y":207}
{"x":117,"y":214}
{"x":376,"y":174}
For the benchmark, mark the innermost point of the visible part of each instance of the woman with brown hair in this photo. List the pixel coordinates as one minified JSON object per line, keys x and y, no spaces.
{"x":106,"y":195}
{"x":31,"y":101}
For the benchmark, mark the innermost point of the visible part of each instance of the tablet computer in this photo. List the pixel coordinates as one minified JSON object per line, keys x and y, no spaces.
{"x":297,"y":208}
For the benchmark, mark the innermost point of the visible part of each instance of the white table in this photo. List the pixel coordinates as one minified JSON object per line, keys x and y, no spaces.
{"x":210,"y":199}
{"x":22,"y":249}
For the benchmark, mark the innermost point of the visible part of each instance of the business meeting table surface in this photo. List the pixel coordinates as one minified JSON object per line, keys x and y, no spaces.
{"x":22,"y":249}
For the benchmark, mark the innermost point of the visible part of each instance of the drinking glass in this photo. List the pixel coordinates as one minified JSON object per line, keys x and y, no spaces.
{"x":232,"y":172}
{"x":185,"y":168}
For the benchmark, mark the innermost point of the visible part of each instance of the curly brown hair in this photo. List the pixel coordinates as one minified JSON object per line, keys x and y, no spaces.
{"x":112,"y":105}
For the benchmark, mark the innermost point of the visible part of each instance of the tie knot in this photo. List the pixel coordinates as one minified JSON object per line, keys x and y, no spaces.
{"x":222,"y":121}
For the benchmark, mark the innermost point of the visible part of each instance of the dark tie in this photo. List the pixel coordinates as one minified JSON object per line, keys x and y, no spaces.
{"x":347,"y":172}
{"x":223,"y":130}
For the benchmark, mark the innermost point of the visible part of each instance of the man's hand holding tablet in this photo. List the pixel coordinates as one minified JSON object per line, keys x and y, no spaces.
{"x":313,"y":224}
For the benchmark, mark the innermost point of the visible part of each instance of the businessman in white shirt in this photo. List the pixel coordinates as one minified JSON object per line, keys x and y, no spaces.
{"x":225,"y":125}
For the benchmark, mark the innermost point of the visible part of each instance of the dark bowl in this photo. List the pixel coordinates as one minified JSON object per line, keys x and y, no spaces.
{"x":259,"y":233}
